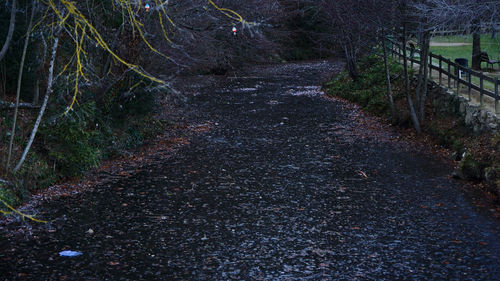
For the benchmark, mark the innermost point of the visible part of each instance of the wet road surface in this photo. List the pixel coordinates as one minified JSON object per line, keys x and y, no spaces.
{"x":284,"y":186}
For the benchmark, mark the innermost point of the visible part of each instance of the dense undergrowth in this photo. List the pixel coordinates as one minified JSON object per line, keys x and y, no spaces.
{"x":370,"y":89}
{"x":477,"y":156}
{"x":67,"y":145}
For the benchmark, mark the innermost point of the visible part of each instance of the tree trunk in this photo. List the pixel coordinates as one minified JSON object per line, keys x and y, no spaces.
{"x":45,"y":101}
{"x":18,"y":90}
{"x":351,"y":64}
{"x":476,"y":51}
{"x":3,"y":80}
{"x":389,"y":87}
{"x":419,"y":76}
{"x":423,"y":90}
{"x":11,"y":30}
{"x":36,"y":93}
{"x":352,"y":69}
{"x":413,"y":115}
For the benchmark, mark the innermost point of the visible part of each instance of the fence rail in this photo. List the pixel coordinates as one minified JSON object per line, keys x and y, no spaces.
{"x":460,"y":75}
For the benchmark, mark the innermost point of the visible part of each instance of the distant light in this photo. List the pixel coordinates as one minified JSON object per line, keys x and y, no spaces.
{"x":234,"y":30}
{"x":146,"y":7}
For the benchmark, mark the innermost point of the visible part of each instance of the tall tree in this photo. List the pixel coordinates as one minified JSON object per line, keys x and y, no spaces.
{"x":476,"y":51}
{"x":19,"y":81}
{"x":404,"y":36}
{"x":12,"y":25}
{"x":48,"y":92}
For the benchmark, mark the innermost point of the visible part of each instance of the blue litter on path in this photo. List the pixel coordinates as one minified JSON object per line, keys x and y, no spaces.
{"x":69,"y":253}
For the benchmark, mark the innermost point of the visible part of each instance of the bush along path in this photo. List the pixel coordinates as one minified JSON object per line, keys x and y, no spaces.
{"x":284,"y":185}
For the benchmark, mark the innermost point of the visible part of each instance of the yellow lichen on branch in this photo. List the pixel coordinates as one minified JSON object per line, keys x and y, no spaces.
{"x":230,"y":14}
{"x":79,"y":67}
{"x":23,"y":215}
{"x":139,"y":26}
{"x":80,"y":26}
{"x":160,"y":17}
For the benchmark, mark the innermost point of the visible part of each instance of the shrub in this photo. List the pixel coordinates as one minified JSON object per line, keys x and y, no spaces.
{"x":36,"y":173}
{"x":69,"y":141}
{"x":370,"y":89}
{"x":8,"y":195}
{"x":97,"y":128}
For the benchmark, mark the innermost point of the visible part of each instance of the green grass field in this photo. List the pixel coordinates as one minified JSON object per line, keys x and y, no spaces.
{"x":489,"y":45}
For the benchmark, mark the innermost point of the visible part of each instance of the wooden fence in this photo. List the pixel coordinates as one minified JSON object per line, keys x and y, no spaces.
{"x":460,"y":75}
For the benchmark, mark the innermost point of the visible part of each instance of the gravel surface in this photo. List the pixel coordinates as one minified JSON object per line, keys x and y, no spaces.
{"x":285,"y":185}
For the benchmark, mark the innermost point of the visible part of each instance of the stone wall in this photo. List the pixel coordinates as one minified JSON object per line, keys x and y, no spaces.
{"x":478,"y":119}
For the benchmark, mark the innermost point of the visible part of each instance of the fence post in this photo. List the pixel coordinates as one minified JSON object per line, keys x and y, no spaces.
{"x":430,"y":65}
{"x":469,"y":82}
{"x":496,"y":95}
{"x":412,"y":55}
{"x":481,"y":87}
{"x":440,"y":69}
{"x":449,"y":74}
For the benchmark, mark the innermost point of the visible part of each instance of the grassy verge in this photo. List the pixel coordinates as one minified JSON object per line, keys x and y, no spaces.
{"x":68,"y":145}
{"x":478,"y":157}
{"x":370,"y":90}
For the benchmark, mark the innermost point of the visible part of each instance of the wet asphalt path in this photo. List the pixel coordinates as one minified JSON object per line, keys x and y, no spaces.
{"x":276,"y":190}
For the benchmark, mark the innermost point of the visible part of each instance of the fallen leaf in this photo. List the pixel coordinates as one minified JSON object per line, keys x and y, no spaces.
{"x":361,"y":173}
